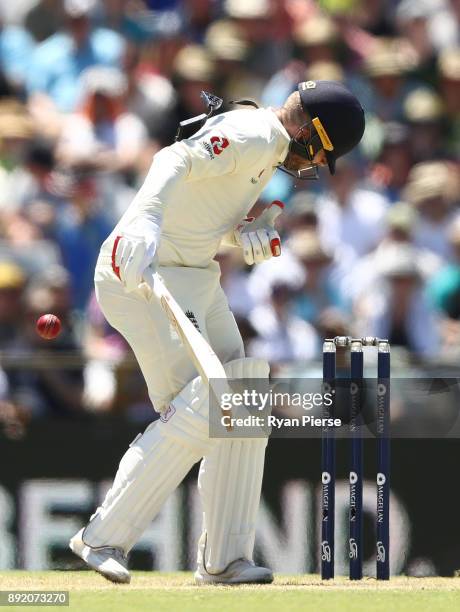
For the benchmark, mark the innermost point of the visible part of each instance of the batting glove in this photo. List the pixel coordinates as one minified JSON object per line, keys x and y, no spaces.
{"x":134,"y":250}
{"x":258,"y":238}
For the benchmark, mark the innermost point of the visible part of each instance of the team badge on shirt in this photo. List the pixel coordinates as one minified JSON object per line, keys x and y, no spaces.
{"x":215,"y":146}
{"x":218,"y":144}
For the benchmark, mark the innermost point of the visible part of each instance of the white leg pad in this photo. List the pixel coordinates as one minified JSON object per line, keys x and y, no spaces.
{"x":229,"y":483}
{"x":153,"y":466}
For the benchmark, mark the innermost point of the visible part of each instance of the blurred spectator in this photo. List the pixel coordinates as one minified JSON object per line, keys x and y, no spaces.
{"x":16,"y":132}
{"x":433,"y":188}
{"x":167,"y":38}
{"x":80,"y":229}
{"x":319,"y":288}
{"x":400,"y":223}
{"x":32,"y":182}
{"x":103,"y":135}
{"x":350,"y":215}
{"x":199,"y":15}
{"x":130,"y":19}
{"x":429,"y":25}
{"x":229,"y":50}
{"x":389,"y":174}
{"x":259,"y":24}
{"x":302,"y":213}
{"x":445,"y":291}
{"x":424,"y":112}
{"x":316,"y":40}
{"x":150,"y":96}
{"x":282,"y":336}
{"x":282,"y":270}
{"x":397,"y":306}
{"x":58,"y":62}
{"x":16,"y":46}
{"x":233,"y":279}
{"x":194,"y":71}
{"x":51,"y":383}
{"x":387,"y":65}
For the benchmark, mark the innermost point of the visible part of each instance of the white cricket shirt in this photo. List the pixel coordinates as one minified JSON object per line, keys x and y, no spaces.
{"x":200,"y":188}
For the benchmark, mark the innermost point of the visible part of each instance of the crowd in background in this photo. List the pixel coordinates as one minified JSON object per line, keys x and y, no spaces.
{"x":91,"y":89}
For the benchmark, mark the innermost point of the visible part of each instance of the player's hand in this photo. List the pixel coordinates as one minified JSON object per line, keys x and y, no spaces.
{"x":258,"y":238}
{"x":133,"y":251}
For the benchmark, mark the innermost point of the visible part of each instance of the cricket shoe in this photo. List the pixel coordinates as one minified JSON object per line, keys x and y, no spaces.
{"x":240,"y":571}
{"x":109,"y":561}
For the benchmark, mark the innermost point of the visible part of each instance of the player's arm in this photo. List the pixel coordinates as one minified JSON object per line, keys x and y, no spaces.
{"x":211,"y":152}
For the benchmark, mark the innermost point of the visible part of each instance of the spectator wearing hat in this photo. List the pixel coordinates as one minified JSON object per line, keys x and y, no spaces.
{"x":103,"y":135}
{"x":320,"y":287}
{"x":390,"y":171}
{"x":424,"y":113}
{"x":16,"y":133}
{"x":386,"y":65}
{"x":433,"y":189}
{"x":397,"y":306}
{"x":400,"y":222}
{"x":316,"y":41}
{"x":261,"y":25}
{"x":301,"y":213}
{"x":229,"y":50}
{"x":194,"y":71}
{"x":57,"y":63}
{"x":32,"y":183}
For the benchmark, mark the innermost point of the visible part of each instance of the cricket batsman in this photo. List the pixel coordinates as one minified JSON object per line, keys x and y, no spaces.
{"x":194,"y":198}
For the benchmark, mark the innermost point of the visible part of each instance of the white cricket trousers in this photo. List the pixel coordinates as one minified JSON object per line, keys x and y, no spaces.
{"x":231,"y":471}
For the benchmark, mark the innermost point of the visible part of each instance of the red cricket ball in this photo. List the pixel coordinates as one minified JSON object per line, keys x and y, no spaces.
{"x":48,"y":326}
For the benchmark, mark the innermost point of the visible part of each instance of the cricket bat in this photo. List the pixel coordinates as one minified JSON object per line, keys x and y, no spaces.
{"x":204,"y":358}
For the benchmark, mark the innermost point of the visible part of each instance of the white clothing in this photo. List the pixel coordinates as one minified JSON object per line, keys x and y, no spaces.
{"x":164,"y":362}
{"x":359,"y":224}
{"x":197,"y":190}
{"x":200,"y":188}
{"x":80,"y":138}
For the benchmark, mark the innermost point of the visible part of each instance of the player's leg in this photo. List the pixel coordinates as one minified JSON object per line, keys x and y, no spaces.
{"x":156,"y":462}
{"x":230,"y":477}
{"x":153,"y":466}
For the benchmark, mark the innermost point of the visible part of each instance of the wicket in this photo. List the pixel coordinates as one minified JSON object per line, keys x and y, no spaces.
{"x":328,"y":476}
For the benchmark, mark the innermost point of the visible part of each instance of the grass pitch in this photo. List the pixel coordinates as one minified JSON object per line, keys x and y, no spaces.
{"x":153,"y":591}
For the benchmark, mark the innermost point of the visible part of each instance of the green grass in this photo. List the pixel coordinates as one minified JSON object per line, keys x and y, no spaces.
{"x":153,"y":591}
